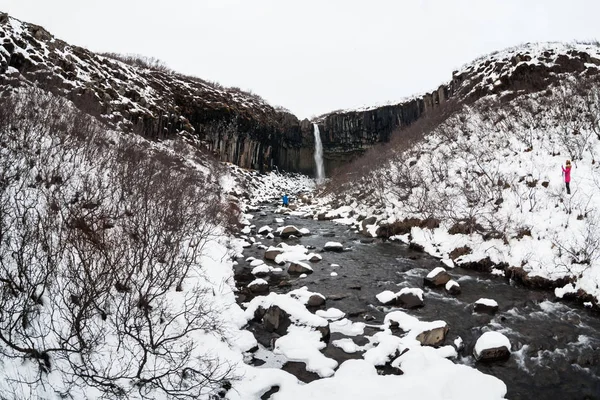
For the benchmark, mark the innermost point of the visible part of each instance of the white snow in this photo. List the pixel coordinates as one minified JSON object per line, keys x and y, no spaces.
{"x":491,"y":340}
{"x":435,"y":271}
{"x":386,"y":296}
{"x":487,"y":302}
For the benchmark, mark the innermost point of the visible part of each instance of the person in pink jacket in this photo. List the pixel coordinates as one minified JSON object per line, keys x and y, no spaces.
{"x":567,"y":174}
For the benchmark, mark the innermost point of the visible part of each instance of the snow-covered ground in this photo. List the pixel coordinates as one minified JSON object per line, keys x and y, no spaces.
{"x":490,"y":179}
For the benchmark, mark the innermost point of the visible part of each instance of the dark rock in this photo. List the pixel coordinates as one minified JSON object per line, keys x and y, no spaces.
{"x":259,"y":288}
{"x":433,"y":337}
{"x":409,"y":300}
{"x":298,"y":369}
{"x":299,"y":268}
{"x":276,"y":320}
{"x":493,"y":354}
{"x":289,"y":231}
{"x":441,"y":278}
{"x":316,"y":301}
{"x":271,"y":254}
{"x":484,"y":308}
{"x":267,"y":395}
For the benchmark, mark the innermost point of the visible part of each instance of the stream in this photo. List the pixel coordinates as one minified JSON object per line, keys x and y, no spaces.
{"x":555,"y":344}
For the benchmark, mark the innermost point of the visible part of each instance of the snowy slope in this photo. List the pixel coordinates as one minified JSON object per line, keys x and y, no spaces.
{"x":486,"y":187}
{"x":121,"y":94}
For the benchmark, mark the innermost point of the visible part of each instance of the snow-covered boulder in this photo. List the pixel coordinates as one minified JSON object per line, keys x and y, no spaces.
{"x":437,"y":277}
{"x":256,"y":263}
{"x":299,"y":267}
{"x":287,"y":231}
{"x":261,"y":270}
{"x":484,"y":305}
{"x":258,"y":286}
{"x":273,"y":252}
{"x":305,"y":231}
{"x":314,"y":257}
{"x":333,"y":246}
{"x":492,"y":346}
{"x":453,"y":287}
{"x":410,"y":297}
{"x":387,"y":297}
{"x":265,"y":229}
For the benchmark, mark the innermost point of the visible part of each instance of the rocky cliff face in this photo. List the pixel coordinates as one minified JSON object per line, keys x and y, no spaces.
{"x":507,"y":74}
{"x":237,"y":126}
{"x":240,"y":127}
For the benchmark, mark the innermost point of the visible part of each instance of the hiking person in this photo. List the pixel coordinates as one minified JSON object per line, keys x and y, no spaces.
{"x":567,"y":174}
{"x":285,"y":200}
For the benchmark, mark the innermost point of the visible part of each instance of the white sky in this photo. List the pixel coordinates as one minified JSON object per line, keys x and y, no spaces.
{"x":313,"y":56}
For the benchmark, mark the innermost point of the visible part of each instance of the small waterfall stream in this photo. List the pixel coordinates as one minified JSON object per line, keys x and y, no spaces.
{"x":319,"y":155}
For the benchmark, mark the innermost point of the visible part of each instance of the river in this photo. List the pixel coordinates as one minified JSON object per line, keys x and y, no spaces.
{"x":555,"y":344}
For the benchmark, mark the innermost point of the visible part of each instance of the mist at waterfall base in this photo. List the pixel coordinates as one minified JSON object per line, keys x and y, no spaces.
{"x":320,"y":175}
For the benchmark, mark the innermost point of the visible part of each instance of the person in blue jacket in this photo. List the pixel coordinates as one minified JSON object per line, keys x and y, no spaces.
{"x":285,"y":200}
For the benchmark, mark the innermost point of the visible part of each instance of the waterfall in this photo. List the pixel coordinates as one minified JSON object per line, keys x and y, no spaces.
{"x":319,"y":155}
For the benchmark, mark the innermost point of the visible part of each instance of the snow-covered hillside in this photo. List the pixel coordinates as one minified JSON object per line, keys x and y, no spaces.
{"x":115,"y":262}
{"x":485,"y":187}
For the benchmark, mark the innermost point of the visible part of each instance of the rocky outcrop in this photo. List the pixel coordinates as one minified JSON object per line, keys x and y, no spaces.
{"x":236,"y":126}
{"x":240,"y":127}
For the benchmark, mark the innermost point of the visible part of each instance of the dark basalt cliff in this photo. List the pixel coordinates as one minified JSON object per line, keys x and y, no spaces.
{"x":240,"y":127}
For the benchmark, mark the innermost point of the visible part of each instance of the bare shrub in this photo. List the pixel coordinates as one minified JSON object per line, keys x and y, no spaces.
{"x":100,"y":245}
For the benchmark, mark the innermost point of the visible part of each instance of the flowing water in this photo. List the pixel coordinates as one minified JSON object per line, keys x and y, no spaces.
{"x":319,"y":154}
{"x":555,"y":344}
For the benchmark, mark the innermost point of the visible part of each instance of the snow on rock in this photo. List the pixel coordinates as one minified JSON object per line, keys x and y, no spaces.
{"x":258,"y":286}
{"x":453,"y":287}
{"x":265,"y":229}
{"x":491,"y":346}
{"x":298,"y":267}
{"x":485,"y":306}
{"x":304,"y":231}
{"x":312,"y":257}
{"x":347,"y":345}
{"x":386,"y":297}
{"x":297,"y":311}
{"x":272,"y":252}
{"x":410,"y":297}
{"x":331,"y":314}
{"x":256,"y":263}
{"x":358,"y":379}
{"x":428,"y":333}
{"x":347,"y":327}
{"x":261,"y":269}
{"x":303,"y":344}
{"x":287,"y":231}
{"x":333,"y":274}
{"x":333,"y":246}
{"x":447,"y":262}
{"x":437,"y":277}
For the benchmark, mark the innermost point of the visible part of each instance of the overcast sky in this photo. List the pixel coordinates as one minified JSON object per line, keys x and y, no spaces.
{"x":313,"y":56}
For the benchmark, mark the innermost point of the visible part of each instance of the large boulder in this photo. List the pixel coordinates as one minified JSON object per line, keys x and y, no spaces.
{"x":437,"y":277}
{"x":492,"y":346}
